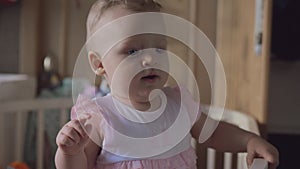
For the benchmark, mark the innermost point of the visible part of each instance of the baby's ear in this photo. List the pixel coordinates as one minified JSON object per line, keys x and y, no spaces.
{"x":96,"y":63}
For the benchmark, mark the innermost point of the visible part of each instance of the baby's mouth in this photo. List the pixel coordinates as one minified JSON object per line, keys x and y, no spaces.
{"x":149,"y":77}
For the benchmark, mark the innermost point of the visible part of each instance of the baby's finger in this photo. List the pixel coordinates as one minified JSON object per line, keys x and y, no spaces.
{"x":251,"y":155}
{"x":83,"y":141}
{"x":64,"y":140}
{"x":272,"y":159}
{"x":79,"y":123}
{"x":71,"y":132}
{"x":249,"y":158}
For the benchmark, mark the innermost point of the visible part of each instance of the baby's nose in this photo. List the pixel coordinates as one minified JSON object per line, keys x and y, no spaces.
{"x":148,"y":60}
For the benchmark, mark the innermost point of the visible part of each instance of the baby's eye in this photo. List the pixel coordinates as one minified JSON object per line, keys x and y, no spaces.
{"x":132,"y":52}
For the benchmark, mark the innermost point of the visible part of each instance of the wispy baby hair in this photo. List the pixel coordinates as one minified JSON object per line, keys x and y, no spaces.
{"x":100,"y":6}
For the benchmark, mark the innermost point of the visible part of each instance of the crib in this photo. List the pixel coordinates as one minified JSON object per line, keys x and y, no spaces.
{"x":20,"y":108}
{"x":211,"y":159}
{"x":207,"y":158}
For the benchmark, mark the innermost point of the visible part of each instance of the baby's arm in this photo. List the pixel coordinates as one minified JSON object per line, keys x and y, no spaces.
{"x":75,"y":149}
{"x":230,"y":138}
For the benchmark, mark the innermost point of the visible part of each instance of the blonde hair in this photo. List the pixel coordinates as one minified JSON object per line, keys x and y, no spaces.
{"x":100,"y":6}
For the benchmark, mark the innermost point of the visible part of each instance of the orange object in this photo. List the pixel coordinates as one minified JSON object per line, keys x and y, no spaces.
{"x":19,"y":165}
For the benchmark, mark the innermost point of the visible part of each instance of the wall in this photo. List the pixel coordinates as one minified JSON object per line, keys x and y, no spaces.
{"x":64,"y":21}
{"x":201,"y":13}
{"x":284,"y":97}
{"x":9,"y":38}
{"x":284,"y":86}
{"x":76,"y":31}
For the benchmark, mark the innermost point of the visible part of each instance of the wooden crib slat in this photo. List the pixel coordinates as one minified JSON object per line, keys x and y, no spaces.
{"x":2,"y":136}
{"x":19,"y":136}
{"x":40,"y":139}
{"x":227,"y":160}
{"x":63,"y":117}
{"x":211,"y":157}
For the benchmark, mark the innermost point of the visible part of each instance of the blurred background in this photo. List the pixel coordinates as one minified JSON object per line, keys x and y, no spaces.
{"x":257,"y":41}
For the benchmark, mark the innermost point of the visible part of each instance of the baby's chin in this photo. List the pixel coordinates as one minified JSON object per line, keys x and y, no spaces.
{"x":147,"y":95}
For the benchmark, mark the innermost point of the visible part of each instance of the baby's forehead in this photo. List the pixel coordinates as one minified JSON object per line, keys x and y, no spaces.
{"x":144,"y":39}
{"x":119,"y":16}
{"x":146,"y":36}
{"x":111,"y":15}
{"x":118,"y":23}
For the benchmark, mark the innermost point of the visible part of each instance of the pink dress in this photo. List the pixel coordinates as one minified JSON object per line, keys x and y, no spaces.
{"x":129,"y":144}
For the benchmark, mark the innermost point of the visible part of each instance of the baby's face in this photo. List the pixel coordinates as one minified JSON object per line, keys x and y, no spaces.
{"x":136,"y":65}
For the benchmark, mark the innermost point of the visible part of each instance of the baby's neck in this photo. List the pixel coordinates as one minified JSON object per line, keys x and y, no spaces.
{"x":142,"y":105}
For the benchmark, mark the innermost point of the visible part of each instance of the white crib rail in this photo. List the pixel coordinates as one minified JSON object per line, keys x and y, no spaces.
{"x":21,"y":107}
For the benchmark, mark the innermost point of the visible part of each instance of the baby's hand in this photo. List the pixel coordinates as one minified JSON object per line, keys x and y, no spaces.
{"x":72,"y":138}
{"x":259,"y":148}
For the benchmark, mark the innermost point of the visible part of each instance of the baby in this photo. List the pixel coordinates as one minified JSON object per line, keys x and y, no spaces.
{"x":123,"y":129}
